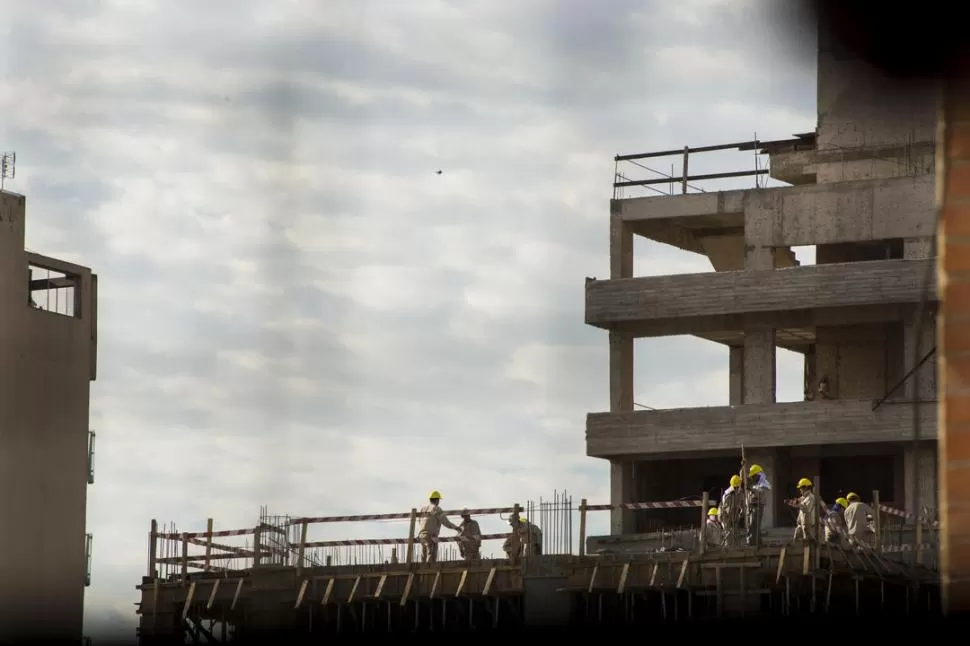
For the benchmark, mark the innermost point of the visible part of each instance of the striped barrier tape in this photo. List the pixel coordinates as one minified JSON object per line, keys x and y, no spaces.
{"x":223,"y":532}
{"x":388,"y":541}
{"x":905,"y":548}
{"x":899,"y":513}
{"x":671,"y":504}
{"x":399,"y":516}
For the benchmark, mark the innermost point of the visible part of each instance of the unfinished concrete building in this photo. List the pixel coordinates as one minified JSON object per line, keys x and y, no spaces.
{"x":862,"y":192}
{"x":48,"y":357}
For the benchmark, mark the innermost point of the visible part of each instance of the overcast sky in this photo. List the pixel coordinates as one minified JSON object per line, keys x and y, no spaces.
{"x":296,"y":311}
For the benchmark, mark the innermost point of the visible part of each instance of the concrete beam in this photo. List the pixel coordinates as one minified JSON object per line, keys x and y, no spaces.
{"x":725,"y":328}
{"x":628,"y":435}
{"x":791,"y":216}
{"x":687,"y":296}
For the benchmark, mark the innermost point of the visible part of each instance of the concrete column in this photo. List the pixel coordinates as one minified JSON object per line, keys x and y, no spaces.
{"x":737,"y":375}
{"x":622,"y":488}
{"x":922,"y":388}
{"x":759,"y":365}
{"x":919,"y":471}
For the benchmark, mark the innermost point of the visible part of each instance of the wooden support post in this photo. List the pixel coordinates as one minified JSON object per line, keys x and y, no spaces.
{"x":153,"y":550}
{"x":208,"y":544}
{"x":877,"y":520}
{"x":624,"y":573}
{"x":380,"y":586}
{"x":781,"y":563}
{"x":185,"y":558}
{"x":683,"y":572}
{"x":918,"y":539}
{"x":582,"y":527}
{"x":329,"y":591}
{"x":235,"y":596}
{"x":705,"y":501}
{"x":301,"y":550}
{"x":300,"y":594}
{"x":461,"y":583}
{"x":353,"y":590}
{"x":434,"y":584}
{"x":488,"y":582}
{"x":188,"y":601}
{"x":409,"y":559}
{"x":817,"y":522}
{"x":592,"y":579}
{"x":683,"y":182}
{"x":407,"y":588}
{"x":212,"y":595}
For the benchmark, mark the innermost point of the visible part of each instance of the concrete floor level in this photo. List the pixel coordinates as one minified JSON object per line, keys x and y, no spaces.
{"x":544,"y":592}
{"x":48,"y":352}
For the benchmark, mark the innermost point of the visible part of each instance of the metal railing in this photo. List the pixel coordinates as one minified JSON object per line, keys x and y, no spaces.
{"x":627,"y":167}
{"x":173,"y":553}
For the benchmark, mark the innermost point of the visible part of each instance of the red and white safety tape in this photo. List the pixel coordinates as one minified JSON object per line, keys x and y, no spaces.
{"x":387,"y":541}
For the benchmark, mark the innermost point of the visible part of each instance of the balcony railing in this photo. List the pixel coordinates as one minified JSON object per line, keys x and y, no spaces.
{"x":632,"y":171}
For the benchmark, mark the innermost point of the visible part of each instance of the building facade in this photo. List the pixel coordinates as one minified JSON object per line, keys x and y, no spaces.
{"x":48,"y":358}
{"x":862,"y":191}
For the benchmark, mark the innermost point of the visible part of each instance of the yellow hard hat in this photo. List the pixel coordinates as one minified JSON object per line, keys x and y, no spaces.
{"x":852,"y":496}
{"x":804,"y":482}
{"x":735,"y":481}
{"x":842,"y":502}
{"x":434,"y":495}
{"x":712,"y":511}
{"x":754,"y":470}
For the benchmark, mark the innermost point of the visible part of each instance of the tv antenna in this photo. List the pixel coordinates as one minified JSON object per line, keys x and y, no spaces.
{"x":8,"y":167}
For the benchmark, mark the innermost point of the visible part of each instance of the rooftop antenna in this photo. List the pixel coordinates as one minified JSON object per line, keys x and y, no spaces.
{"x":8,"y":167}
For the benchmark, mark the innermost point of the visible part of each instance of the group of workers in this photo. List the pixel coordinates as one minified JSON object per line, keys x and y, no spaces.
{"x":526,"y":537}
{"x":741,"y":509}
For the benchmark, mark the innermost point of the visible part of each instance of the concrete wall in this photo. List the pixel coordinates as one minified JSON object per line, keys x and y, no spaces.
{"x":45,"y":368}
{"x":812,"y":287}
{"x":664,"y":432}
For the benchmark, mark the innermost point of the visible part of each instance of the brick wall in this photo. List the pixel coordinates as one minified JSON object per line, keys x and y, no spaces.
{"x":954,"y":348}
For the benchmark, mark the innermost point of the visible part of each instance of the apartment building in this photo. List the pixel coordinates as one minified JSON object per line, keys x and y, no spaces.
{"x":861,"y":191}
{"x":48,"y":358}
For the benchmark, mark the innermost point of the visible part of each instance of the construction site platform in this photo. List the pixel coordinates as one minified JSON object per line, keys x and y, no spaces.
{"x":556,"y":590}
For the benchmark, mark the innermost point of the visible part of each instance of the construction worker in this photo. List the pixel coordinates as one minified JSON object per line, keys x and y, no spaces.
{"x":469,"y":537}
{"x":731,"y":513}
{"x":835,"y":521}
{"x":713,"y":532}
{"x":810,"y":512}
{"x":432,"y":518}
{"x":858,"y":516}
{"x":530,"y":537}
{"x":758,"y":488}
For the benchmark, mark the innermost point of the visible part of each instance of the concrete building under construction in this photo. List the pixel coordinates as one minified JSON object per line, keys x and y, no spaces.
{"x":862,"y":193}
{"x":48,"y":357}
{"x":861,"y":190}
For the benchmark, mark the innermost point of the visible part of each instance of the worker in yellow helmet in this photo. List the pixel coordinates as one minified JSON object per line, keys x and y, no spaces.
{"x":835,"y":522}
{"x":810,"y":512}
{"x":432,"y":517}
{"x":469,"y":537}
{"x":858,"y":519}
{"x":758,"y":489}
{"x":731,"y":513}
{"x":713,"y":531}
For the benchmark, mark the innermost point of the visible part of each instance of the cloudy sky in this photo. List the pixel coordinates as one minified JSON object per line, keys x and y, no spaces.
{"x":296,"y":311}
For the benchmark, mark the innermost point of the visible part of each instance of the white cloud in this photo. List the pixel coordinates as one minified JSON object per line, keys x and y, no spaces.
{"x":294,"y":306}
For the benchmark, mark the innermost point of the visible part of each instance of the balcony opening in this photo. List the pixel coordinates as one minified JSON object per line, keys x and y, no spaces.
{"x":652,"y":258}
{"x":683,"y":479}
{"x":804,"y":255}
{"x":789,"y":376}
{"x":53,"y":291}
{"x":679,"y":372}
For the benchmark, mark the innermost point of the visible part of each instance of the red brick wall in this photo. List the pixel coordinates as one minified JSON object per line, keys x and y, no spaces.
{"x":954,"y":343}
